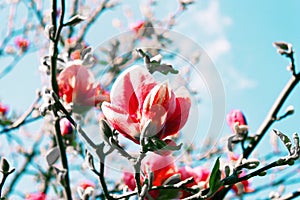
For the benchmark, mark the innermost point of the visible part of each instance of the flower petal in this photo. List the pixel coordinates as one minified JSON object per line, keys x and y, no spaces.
{"x":121,"y":121}
{"x":131,"y":88}
{"x":177,"y":119}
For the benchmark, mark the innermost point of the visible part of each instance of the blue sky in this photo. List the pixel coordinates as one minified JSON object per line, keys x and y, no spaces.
{"x":237,"y":35}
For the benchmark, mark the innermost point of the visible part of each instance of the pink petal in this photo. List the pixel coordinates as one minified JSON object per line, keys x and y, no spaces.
{"x":121,"y":121}
{"x":177,"y":119}
{"x":131,"y":88}
{"x":129,"y":180}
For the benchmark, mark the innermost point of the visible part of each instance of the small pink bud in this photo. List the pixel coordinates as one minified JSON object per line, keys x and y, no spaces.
{"x":65,"y":127}
{"x":235,"y":116}
{"x":3,"y":109}
{"x":22,"y":43}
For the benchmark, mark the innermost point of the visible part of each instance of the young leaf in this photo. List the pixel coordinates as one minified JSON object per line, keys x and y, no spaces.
{"x":215,"y":177}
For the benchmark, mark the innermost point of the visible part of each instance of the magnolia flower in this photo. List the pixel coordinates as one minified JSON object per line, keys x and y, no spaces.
{"x":234,"y":117}
{"x":162,"y":167}
{"x":36,"y":196}
{"x":138,"y":103}
{"x":77,"y":85}
{"x":22,"y":43}
{"x":3,"y":109}
{"x":65,"y":126}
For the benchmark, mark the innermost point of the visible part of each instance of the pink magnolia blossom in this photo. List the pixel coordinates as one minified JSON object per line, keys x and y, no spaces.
{"x":3,"y":109}
{"x":137,"y":99}
{"x":76,"y":84}
{"x":22,"y":43}
{"x":235,"y":116}
{"x":36,"y":196}
{"x":65,"y":126}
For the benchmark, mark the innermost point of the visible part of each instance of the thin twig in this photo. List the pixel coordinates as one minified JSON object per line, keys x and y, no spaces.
{"x":101,"y":156}
{"x":64,"y":160}
{"x":84,"y":29}
{"x":291,"y":195}
{"x":18,"y":175}
{"x":22,"y":120}
{"x":180,"y":185}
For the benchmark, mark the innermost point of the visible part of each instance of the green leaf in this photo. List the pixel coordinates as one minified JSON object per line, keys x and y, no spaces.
{"x":155,"y":144}
{"x":215,"y":177}
{"x":168,"y":194}
{"x":5,"y":122}
{"x":162,"y":68}
{"x":103,"y":62}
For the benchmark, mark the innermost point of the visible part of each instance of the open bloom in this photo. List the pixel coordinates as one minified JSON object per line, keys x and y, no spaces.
{"x":76,"y":84}
{"x":36,"y":196}
{"x":138,"y":101}
{"x":235,"y":116}
{"x":163,"y":168}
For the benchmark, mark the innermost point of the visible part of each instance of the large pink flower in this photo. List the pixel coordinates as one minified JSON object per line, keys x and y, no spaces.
{"x":137,"y":99}
{"x":76,"y":84}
